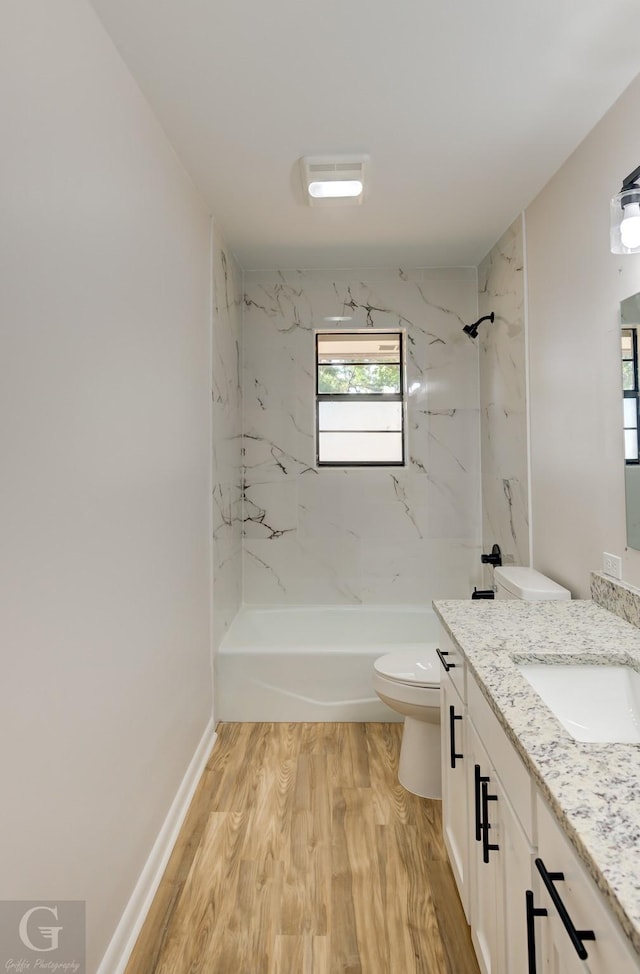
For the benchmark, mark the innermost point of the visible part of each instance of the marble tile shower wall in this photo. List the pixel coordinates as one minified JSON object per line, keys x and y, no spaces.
{"x":396,"y":535}
{"x":503,"y":424}
{"x":226,"y":394}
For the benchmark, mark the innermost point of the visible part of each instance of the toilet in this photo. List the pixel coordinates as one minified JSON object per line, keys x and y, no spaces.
{"x":409,"y":683}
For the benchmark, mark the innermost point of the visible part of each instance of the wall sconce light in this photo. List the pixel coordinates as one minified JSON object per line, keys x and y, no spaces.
{"x":331,"y":180}
{"x":625,"y":217}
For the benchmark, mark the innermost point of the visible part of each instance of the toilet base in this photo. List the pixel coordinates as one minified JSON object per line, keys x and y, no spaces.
{"x":419,"y":767}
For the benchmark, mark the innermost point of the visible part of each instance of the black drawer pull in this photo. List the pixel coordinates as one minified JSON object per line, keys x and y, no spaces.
{"x":441,"y":656}
{"x":532,"y":911}
{"x":478,"y":779}
{"x":452,"y":735}
{"x":575,"y":936}
{"x":487,"y":846}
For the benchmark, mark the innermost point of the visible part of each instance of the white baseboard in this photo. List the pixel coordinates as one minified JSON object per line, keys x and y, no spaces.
{"x":124,"y":939}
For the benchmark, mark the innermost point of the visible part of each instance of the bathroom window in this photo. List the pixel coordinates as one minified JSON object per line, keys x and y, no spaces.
{"x":360,"y":399}
{"x":630,"y":393}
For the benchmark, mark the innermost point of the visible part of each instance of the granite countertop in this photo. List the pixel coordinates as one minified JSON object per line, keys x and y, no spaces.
{"x":593,"y":789}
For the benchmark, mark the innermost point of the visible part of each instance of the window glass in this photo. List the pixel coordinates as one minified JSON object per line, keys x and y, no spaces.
{"x":360,"y":448}
{"x":631,"y":444}
{"x":361,"y":347}
{"x":630,"y":412}
{"x":383,"y":416}
{"x":628,"y":377}
{"x":352,"y":379}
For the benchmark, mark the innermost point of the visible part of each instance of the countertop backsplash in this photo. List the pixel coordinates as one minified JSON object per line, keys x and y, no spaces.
{"x":617,"y":597}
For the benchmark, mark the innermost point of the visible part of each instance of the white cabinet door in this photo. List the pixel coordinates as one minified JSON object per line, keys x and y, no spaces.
{"x":516,"y":856}
{"x":454,"y":786}
{"x":485,"y":858}
{"x":554,"y":953}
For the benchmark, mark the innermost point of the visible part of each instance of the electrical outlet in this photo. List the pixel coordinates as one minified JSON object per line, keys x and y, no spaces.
{"x":611,"y":565}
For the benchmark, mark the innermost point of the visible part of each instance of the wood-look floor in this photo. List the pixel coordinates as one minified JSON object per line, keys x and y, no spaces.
{"x":301,"y":854}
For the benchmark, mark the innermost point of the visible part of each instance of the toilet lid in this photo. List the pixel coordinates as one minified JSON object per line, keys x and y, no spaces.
{"x":419,"y":668}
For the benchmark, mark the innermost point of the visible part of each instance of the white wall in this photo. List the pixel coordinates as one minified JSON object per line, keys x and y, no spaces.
{"x":104,"y":425}
{"x":575,"y":287}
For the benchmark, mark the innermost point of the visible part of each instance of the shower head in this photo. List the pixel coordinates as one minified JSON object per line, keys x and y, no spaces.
{"x":472,"y":330}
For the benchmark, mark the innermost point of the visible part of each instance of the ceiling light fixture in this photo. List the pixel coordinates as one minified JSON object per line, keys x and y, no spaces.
{"x":331,"y":180}
{"x":625,"y":216}
{"x":337,"y":188}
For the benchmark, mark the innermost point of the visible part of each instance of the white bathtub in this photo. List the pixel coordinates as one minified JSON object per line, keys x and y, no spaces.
{"x":311,"y":662}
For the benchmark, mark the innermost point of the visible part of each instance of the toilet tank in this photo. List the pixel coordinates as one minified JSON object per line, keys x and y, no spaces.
{"x":528,"y":585}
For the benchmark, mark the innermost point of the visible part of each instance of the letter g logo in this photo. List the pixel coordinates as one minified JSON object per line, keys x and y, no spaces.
{"x":48,"y":934}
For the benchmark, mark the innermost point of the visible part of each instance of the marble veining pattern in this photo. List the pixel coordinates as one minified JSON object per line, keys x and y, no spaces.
{"x":348,"y":535}
{"x":593,"y":789}
{"x":226,"y":406}
{"x":503,"y":419}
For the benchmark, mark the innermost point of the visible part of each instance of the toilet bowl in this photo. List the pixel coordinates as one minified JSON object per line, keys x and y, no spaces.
{"x":409,"y":683}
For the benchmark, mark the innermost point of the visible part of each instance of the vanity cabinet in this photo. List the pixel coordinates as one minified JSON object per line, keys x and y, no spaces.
{"x":532,"y":902}
{"x":504,"y":842}
{"x":524,"y":889}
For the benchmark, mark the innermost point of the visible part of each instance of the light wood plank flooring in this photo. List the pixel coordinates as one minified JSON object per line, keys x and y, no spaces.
{"x":301,"y":854}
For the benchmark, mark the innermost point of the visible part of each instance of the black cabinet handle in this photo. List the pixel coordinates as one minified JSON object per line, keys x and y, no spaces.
{"x":575,"y":936}
{"x":452,"y":735}
{"x":532,"y":911}
{"x":487,"y":846}
{"x":478,"y":779}
{"x":441,"y":656}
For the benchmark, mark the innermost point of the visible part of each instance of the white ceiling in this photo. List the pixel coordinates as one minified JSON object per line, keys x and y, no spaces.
{"x":466,"y":109}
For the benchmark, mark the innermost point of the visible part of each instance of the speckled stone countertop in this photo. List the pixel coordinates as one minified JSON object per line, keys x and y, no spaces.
{"x":593,"y":789}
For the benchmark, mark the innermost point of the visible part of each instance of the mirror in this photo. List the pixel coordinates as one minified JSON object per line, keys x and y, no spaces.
{"x":630,"y":324}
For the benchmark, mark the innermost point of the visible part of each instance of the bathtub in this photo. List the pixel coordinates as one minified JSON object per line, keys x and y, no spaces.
{"x":315,"y":663}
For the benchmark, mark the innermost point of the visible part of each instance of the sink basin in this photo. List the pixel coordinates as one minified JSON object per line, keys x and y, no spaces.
{"x":593,"y":703}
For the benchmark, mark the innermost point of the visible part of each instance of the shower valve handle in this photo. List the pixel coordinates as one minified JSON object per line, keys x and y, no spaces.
{"x":495,"y":558}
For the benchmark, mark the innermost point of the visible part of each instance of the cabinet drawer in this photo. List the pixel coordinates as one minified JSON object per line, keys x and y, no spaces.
{"x":455,"y":661}
{"x":611,"y":951}
{"x":515,"y":778}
